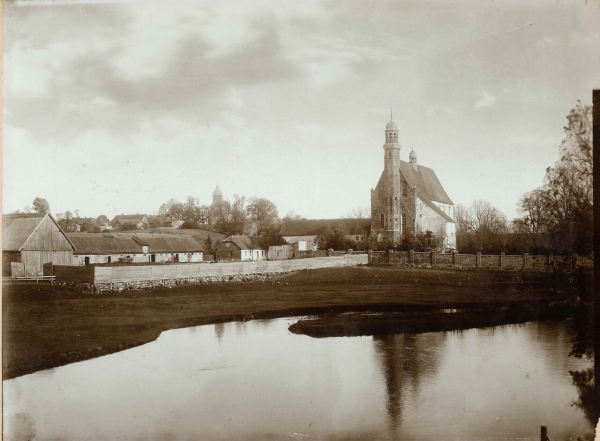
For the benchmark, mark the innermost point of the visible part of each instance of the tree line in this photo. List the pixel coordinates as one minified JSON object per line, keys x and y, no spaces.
{"x":556,"y":217}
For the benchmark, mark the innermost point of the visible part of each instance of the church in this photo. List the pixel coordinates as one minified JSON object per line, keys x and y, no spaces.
{"x":409,"y":199}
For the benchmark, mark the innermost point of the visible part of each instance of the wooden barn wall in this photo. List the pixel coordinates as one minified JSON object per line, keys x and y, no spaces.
{"x":34,"y":260}
{"x":47,"y":236}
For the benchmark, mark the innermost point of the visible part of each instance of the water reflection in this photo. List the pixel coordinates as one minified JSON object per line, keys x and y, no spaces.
{"x":219,"y":331}
{"x":261,"y":382}
{"x":405,"y":360}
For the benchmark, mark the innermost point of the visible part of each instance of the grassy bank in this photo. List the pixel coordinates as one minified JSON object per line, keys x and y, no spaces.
{"x":46,"y":326}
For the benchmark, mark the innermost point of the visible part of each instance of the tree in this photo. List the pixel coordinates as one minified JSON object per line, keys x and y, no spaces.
{"x":359,"y":213}
{"x":172,"y":208}
{"x":191,"y":209}
{"x":262,"y":216}
{"x":576,"y":149}
{"x":41,"y":205}
{"x":238,"y":214}
{"x":102,"y":220}
{"x":332,"y":238}
{"x":481,"y":228}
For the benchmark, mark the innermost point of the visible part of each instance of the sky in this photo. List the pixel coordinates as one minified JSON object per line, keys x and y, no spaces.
{"x":116,"y":107}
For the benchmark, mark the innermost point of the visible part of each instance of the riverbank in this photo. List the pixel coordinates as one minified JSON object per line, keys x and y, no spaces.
{"x":46,"y":326}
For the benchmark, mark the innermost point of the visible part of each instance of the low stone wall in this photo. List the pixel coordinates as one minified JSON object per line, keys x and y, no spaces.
{"x":131,"y":276}
{"x":500,"y":261}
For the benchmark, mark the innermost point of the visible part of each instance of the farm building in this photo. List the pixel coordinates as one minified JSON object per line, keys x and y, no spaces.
{"x":129,"y":222}
{"x":299,"y":230}
{"x":115,"y":247}
{"x":239,"y":248}
{"x":76,"y":224}
{"x":33,"y":239}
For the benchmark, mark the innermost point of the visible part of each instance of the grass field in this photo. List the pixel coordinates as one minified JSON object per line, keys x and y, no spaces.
{"x":46,"y":326}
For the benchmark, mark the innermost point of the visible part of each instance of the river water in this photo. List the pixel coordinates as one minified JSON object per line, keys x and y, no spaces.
{"x":258,"y":381}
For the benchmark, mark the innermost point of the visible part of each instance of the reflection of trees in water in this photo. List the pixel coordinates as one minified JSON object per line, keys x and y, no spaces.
{"x":219,"y":331}
{"x":405,"y":360}
{"x":582,"y":327}
{"x":584,"y":382}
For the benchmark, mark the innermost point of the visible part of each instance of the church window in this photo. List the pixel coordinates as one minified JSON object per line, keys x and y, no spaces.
{"x":382,"y":220}
{"x":403,"y":223}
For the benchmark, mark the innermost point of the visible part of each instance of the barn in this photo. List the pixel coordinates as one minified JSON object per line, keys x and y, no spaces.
{"x":239,"y":248}
{"x":33,"y":239}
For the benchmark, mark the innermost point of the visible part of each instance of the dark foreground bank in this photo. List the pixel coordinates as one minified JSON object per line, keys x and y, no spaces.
{"x":47,"y":326}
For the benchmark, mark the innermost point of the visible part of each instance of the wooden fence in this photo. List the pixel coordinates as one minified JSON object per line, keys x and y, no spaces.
{"x":473,"y":261}
{"x":137,"y":273}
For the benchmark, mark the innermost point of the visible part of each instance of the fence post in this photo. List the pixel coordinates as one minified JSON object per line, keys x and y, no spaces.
{"x":411,"y":257}
{"x":525,"y":259}
{"x":478,"y":260}
{"x":432,"y":258}
{"x":330,"y":252}
{"x":502,"y":259}
{"x":454,"y":258}
{"x":544,"y":434}
{"x":550,"y":262}
{"x":370,"y":256}
{"x":574,"y":258}
{"x":390,"y":256}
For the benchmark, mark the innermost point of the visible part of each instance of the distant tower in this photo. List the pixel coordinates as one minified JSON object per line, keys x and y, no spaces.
{"x":412,"y":159}
{"x":393,"y":191}
{"x":217,"y":196}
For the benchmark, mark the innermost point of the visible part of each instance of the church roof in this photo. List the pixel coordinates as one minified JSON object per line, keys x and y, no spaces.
{"x":428,"y":185}
{"x":312,"y":227}
{"x":426,"y":181}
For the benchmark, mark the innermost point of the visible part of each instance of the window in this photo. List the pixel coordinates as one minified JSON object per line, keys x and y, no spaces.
{"x":382,"y":220}
{"x":227,"y":245}
{"x":403,"y":223}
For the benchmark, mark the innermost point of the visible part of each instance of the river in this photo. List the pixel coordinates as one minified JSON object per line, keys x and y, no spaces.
{"x":258,"y":381}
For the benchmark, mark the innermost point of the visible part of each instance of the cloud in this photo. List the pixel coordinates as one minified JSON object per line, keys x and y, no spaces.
{"x":120,"y":85}
{"x":486,"y":101}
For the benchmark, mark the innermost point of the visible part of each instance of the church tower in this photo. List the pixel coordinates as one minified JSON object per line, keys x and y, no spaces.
{"x":391,"y":148}
{"x":217,"y":197}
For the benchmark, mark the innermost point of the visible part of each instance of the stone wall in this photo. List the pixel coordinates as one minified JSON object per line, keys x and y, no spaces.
{"x":147,"y":275}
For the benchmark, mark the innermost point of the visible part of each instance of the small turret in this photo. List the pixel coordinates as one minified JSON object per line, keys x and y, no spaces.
{"x":412,"y":159}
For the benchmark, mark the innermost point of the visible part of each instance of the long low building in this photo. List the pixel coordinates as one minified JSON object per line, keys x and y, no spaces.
{"x":119,"y":247}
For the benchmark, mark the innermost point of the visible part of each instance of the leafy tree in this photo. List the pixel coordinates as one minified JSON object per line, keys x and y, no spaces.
{"x":172,"y":208}
{"x":262,"y":216}
{"x":41,"y":205}
{"x":102,"y":220}
{"x":563,"y":206}
{"x":332,"y":238}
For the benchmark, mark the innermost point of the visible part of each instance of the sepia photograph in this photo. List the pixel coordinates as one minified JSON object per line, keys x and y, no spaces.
{"x":317,"y":220}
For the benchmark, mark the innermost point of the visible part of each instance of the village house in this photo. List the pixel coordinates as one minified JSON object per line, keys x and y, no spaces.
{"x":120,"y":247}
{"x":239,"y":248}
{"x":304,"y":232}
{"x":76,"y":224}
{"x":129,"y":222}
{"x":409,"y":199}
{"x":32,"y":240}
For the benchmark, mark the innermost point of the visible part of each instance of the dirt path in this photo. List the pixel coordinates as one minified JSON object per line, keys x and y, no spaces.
{"x":46,"y":326}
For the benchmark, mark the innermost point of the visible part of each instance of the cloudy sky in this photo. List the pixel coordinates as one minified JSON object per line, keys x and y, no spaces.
{"x":113,"y":107}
